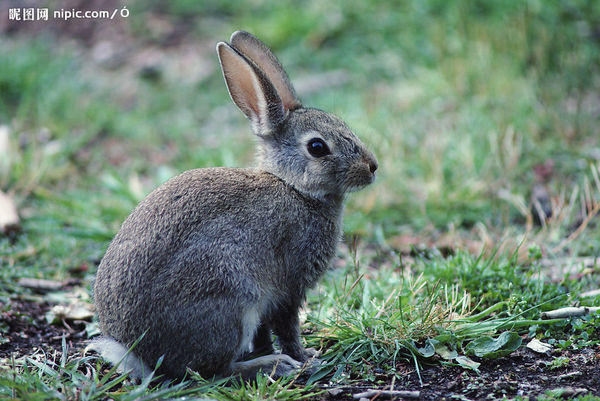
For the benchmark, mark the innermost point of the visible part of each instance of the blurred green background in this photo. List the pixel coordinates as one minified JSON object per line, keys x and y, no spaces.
{"x":470,"y":106}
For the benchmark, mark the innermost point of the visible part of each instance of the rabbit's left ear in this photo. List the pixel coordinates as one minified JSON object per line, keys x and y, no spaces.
{"x":253,"y":49}
{"x":251,"y":90}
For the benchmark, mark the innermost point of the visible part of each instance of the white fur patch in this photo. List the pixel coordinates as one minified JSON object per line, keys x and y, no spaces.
{"x":250,"y":322}
{"x":117,"y":354}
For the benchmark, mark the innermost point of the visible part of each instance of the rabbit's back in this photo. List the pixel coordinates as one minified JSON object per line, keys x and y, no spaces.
{"x":240,"y":236}
{"x":220,"y":209}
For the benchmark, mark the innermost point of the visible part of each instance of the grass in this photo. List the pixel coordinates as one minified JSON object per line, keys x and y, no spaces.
{"x":464,"y":104}
{"x":448,"y":309}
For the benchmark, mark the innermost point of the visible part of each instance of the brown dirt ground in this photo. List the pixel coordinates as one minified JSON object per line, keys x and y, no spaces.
{"x":26,"y":330}
{"x":523,"y":373}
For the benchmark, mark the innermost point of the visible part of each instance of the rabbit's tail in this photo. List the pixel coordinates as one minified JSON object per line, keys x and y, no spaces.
{"x":121,"y":356}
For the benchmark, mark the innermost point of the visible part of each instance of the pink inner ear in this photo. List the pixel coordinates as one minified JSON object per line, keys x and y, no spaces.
{"x":260,"y":54}
{"x":241,"y":81}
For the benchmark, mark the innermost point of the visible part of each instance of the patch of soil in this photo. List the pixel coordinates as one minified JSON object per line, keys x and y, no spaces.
{"x":523,"y":373}
{"x":25,"y":330}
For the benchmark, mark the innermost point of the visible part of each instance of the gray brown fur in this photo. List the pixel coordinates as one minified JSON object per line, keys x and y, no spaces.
{"x":215,"y":260}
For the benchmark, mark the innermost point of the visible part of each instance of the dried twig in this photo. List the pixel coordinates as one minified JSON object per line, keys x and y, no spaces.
{"x":387,"y":394}
{"x":570,"y":312}
{"x":41,"y":285}
{"x":592,"y":293}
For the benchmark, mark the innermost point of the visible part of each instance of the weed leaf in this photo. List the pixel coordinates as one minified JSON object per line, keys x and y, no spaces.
{"x":428,"y":350}
{"x":467,"y":363}
{"x":488,"y":347}
{"x":445,"y":352}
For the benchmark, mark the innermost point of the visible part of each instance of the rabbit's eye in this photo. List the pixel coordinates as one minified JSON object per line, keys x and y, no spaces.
{"x":318,"y":148}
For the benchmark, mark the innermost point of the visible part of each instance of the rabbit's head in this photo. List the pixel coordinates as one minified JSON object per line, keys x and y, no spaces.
{"x":310,"y":149}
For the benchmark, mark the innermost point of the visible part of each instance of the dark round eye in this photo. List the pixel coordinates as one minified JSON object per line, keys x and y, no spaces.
{"x":318,"y":148}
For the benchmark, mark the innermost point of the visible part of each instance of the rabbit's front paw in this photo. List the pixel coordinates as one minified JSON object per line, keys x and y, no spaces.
{"x":283,"y":365}
{"x":311,"y":365}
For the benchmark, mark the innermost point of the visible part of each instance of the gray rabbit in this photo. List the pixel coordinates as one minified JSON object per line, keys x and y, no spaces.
{"x":216,"y":259}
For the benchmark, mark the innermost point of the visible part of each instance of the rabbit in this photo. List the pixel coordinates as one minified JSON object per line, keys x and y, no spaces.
{"x":213,"y":262}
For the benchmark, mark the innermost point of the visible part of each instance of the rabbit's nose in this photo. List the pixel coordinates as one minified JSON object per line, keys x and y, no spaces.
{"x":370,"y":159}
{"x":373,"y":166}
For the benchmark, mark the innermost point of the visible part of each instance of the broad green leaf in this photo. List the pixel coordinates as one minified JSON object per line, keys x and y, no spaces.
{"x":488,"y":347}
{"x":428,"y":350}
{"x":445,"y":352}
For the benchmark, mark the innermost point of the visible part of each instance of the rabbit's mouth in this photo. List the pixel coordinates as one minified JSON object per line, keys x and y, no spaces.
{"x":361,"y":174}
{"x":356,"y":182}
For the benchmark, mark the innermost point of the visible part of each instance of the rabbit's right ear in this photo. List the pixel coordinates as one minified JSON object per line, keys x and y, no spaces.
{"x":251,"y":90}
{"x":253,"y":49}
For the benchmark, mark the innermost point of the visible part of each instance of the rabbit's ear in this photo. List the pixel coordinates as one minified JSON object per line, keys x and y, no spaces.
{"x":251,"y":90}
{"x":255,"y":50}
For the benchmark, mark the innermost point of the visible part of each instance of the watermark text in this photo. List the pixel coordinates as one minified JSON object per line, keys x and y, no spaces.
{"x":43,"y":14}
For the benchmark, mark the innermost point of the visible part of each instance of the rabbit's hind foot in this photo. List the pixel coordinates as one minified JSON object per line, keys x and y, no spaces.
{"x":274,"y":365}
